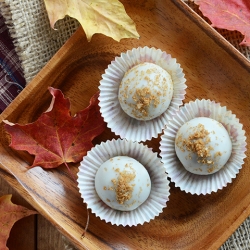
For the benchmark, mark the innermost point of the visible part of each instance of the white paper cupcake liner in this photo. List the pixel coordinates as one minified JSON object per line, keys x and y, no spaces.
{"x":203,"y":184}
{"x":117,"y":120}
{"x":159,"y":194}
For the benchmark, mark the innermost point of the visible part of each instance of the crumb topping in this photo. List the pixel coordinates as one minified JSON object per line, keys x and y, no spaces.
{"x":143,"y":98}
{"x":198,"y":142}
{"x":122,"y":186}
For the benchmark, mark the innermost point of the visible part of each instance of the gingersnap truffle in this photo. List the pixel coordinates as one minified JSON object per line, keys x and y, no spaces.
{"x":122,"y":183}
{"x":146,"y":91}
{"x":203,"y":145}
{"x":141,"y":90}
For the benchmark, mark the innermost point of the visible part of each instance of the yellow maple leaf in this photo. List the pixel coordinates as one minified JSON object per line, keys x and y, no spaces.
{"x":96,"y":16}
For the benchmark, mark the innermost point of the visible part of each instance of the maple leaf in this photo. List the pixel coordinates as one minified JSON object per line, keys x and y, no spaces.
{"x":95,"y":16}
{"x":228,"y":14}
{"x":56,"y":137}
{"x":9,"y":214}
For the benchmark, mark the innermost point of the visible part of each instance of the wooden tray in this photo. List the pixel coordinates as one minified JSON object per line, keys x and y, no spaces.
{"x":189,"y":221}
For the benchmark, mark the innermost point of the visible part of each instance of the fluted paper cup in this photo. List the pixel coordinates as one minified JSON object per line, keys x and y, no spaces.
{"x":117,"y":120}
{"x":159,"y":194}
{"x":203,"y":184}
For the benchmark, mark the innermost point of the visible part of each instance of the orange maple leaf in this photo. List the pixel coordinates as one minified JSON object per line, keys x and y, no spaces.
{"x":228,"y":14}
{"x":56,"y":137}
{"x":9,"y":214}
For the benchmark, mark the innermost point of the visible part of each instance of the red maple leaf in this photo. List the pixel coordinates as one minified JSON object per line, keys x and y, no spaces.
{"x":9,"y":214}
{"x":56,"y":137}
{"x":228,"y":14}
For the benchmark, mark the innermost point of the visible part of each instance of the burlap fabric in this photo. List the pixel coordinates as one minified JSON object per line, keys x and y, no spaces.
{"x":34,"y":40}
{"x":36,"y":43}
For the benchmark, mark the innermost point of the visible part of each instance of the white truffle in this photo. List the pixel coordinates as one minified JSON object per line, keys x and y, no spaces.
{"x":203,"y":145}
{"x":145,"y":91}
{"x":122,"y":183}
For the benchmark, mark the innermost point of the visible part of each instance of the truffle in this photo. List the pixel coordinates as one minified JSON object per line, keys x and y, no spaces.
{"x":145,"y":91}
{"x":122,"y":183}
{"x":203,"y":145}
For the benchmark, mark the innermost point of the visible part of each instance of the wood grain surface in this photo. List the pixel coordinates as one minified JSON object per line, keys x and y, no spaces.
{"x":19,"y":238}
{"x":33,"y":232}
{"x":188,"y":221}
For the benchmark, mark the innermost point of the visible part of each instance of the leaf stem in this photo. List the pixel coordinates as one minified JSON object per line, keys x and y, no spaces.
{"x":70,"y":172}
{"x":87,"y":224}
